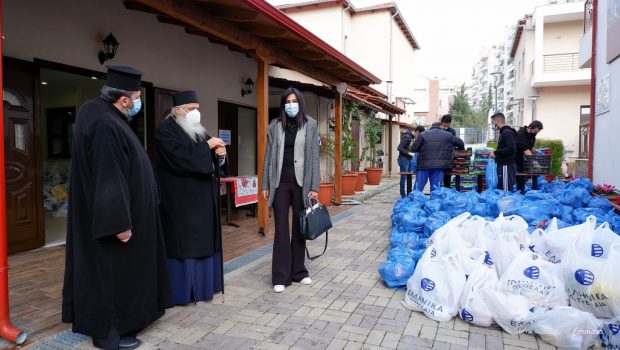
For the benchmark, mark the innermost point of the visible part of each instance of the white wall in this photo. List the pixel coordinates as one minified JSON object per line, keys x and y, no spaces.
{"x":606,"y":159}
{"x":70,"y":32}
{"x":558,"y":109}
{"x":324,"y":22}
{"x":369,"y":43}
{"x":523,"y":73}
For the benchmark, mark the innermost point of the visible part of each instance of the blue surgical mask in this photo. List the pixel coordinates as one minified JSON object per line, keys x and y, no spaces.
{"x":291,"y":109}
{"x":137,"y":105}
{"x":493,"y":127}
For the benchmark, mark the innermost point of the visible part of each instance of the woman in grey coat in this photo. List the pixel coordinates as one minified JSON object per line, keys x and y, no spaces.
{"x":290,"y":178}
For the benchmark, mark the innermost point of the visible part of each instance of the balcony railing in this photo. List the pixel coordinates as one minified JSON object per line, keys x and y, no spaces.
{"x":563,"y":62}
{"x":588,"y":8}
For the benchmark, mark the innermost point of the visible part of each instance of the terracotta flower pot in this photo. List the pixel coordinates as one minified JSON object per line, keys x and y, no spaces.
{"x":374,"y":175}
{"x":348,"y":183}
{"x":361,"y":180}
{"x":325,"y":193}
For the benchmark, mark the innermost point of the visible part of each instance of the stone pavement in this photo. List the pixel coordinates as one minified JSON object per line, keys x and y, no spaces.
{"x":346,"y":307}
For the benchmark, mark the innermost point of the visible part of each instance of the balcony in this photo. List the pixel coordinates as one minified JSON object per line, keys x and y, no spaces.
{"x":562,"y":62}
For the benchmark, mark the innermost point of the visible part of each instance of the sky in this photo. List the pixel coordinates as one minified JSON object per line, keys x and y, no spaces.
{"x":453,"y":33}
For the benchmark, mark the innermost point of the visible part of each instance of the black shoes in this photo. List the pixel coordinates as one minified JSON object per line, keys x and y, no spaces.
{"x":128,"y":343}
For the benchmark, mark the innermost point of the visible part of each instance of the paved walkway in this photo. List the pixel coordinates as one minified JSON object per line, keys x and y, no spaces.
{"x":347,"y":306}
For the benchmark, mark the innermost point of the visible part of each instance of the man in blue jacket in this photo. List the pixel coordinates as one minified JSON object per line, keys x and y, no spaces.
{"x":405,"y":158}
{"x":435,"y":148}
{"x":505,"y":154}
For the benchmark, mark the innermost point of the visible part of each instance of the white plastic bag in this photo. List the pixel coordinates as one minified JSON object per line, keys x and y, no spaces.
{"x":531,"y":276}
{"x":514,"y":313}
{"x":568,"y":328}
{"x":505,"y":247}
{"x":553,"y":244}
{"x":471,"y":228}
{"x":435,"y":288}
{"x":610,"y":334}
{"x":451,"y":228}
{"x":512,"y":223}
{"x":474,"y":308}
{"x":589,"y":279}
{"x":602,"y":241}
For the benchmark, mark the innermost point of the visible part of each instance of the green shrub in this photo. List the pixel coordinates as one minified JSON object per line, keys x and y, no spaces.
{"x":492,"y":144}
{"x":557,"y":146}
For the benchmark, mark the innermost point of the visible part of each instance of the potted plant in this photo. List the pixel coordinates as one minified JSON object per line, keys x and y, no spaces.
{"x":326,"y":187}
{"x":373,"y":130}
{"x":349,"y":179}
{"x":607,"y":191}
{"x":361,"y":178}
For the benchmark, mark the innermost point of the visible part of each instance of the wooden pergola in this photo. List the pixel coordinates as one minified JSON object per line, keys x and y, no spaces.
{"x":266,"y":34}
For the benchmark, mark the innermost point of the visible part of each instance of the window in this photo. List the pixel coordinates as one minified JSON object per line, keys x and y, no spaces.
{"x":13,"y":100}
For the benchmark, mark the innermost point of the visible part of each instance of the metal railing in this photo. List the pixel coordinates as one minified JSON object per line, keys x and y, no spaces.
{"x":563,"y":62}
{"x":588,"y":8}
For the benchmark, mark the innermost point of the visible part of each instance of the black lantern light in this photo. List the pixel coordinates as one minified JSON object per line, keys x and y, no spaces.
{"x":249,"y":86}
{"x":109,"y":48}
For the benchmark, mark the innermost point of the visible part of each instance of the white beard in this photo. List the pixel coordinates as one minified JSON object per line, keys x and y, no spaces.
{"x":194,"y":131}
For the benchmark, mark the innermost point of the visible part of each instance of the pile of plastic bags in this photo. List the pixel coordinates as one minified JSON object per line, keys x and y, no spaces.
{"x":559,"y":283}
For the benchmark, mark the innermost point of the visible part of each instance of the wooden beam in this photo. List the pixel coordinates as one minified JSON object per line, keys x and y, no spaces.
{"x":338,"y":149}
{"x":197,"y":16}
{"x":231,"y":13}
{"x":310,"y":55}
{"x":290,"y":44}
{"x":264,"y":31}
{"x":262,"y":118}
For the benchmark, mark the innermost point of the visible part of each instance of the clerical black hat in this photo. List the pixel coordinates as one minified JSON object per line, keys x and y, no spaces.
{"x":123,"y":78}
{"x":184,"y":97}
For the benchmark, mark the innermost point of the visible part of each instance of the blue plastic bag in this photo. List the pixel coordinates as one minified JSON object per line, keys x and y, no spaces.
{"x":435,"y":221}
{"x":413,"y":220}
{"x":537,"y":195}
{"x":432,"y":206}
{"x":583,"y":183}
{"x":480,"y":209}
{"x":580,"y":215}
{"x":395,"y":274}
{"x":599,"y":202}
{"x":403,"y":253}
{"x":552,"y":187}
{"x":490,"y":175}
{"x":569,"y":197}
{"x":417,"y":198}
{"x":409,"y":240}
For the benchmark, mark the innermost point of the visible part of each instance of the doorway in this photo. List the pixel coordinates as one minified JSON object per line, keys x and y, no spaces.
{"x":237,"y":127}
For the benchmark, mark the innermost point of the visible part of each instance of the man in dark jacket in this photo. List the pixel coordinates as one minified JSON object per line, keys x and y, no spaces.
{"x":506,"y":153}
{"x":435,"y":148}
{"x":446,"y":121}
{"x":526,"y":138}
{"x":405,"y":157}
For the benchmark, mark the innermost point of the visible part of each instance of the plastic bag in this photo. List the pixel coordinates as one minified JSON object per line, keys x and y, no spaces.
{"x":409,"y":240}
{"x":490,"y":175}
{"x":586,"y":277}
{"x":511,"y":223}
{"x":599,"y":202}
{"x":480,"y":209}
{"x":505,"y":247}
{"x":396,"y":273}
{"x":413,"y":220}
{"x":583,"y":183}
{"x":432,"y":206}
{"x":402,"y":252}
{"x":474,"y":308}
{"x":610,"y":334}
{"x":552,"y":187}
{"x":435,"y":288}
{"x":569,"y":197}
{"x":537,"y":195}
{"x":554,"y":244}
{"x":435,"y":221}
{"x":567,"y":327}
{"x":536,"y":279}
{"x":514,"y":313}
{"x":418,"y":198}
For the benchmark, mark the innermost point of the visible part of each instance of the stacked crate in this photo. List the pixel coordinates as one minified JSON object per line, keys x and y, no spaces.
{"x":461,"y":162}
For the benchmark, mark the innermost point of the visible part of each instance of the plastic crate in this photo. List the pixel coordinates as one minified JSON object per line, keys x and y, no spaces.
{"x":464,"y":153}
{"x":537,"y":164}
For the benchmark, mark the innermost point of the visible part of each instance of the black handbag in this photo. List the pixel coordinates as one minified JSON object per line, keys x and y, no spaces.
{"x":313,"y":221}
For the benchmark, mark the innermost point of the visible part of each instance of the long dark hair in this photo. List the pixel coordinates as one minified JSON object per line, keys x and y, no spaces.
{"x":301,"y":116}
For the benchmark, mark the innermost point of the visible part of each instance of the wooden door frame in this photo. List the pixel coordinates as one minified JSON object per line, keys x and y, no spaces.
{"x":8,"y":63}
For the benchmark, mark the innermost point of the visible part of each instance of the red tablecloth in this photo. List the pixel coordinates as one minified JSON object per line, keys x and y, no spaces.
{"x":244,"y":187}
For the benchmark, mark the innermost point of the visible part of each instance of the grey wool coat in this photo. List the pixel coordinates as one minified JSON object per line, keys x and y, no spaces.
{"x":307,"y":171}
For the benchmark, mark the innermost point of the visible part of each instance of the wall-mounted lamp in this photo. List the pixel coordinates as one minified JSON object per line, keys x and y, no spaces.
{"x":249,"y":86}
{"x":109,"y":48}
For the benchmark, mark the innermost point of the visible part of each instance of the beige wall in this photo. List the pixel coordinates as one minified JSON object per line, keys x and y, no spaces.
{"x":562,"y":37}
{"x":523,"y":74}
{"x":558,"y":109}
{"x":70,"y":32}
{"x":324,"y":22}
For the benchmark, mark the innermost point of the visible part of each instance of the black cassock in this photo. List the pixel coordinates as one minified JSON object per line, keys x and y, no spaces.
{"x":112,"y":189}
{"x":187,"y":172}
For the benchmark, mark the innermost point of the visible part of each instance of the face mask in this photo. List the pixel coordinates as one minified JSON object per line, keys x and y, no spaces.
{"x":291,"y":109}
{"x":193,"y":117}
{"x":493,"y":127}
{"x":137,"y":105}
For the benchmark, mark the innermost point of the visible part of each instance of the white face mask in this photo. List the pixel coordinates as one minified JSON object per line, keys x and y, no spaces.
{"x":193,"y":117}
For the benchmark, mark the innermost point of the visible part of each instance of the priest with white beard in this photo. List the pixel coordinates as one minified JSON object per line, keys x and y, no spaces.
{"x":189,"y":164}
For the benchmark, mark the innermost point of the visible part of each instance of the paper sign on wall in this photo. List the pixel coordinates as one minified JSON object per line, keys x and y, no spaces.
{"x":602,"y":95}
{"x":226,"y":136}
